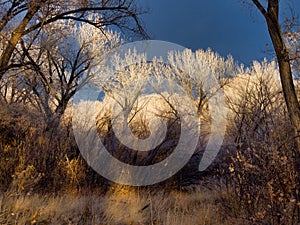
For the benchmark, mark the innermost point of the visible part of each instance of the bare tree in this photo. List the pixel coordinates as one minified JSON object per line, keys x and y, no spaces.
{"x":57,"y":65}
{"x":271,"y":15}
{"x":21,"y":19}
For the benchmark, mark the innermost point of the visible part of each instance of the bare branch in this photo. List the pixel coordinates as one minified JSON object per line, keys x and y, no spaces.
{"x":261,"y":8}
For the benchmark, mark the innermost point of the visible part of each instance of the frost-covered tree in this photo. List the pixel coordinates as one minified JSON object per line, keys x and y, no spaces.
{"x":202,"y":73}
{"x":60,"y":63}
{"x":252,"y":95}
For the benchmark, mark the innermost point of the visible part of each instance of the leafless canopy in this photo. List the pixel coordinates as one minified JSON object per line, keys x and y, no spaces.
{"x":21,"y":18}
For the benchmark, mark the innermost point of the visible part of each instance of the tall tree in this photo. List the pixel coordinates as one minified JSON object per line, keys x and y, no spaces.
{"x":20,"y":19}
{"x":60,"y":64}
{"x":271,"y":15}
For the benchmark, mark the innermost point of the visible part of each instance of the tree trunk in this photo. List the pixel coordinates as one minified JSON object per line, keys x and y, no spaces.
{"x":283,"y":58}
{"x":271,"y":15}
{"x":286,"y":76}
{"x":16,"y":36}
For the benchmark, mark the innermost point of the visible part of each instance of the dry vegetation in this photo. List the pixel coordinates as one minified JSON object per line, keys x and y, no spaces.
{"x":48,"y":55}
{"x":121,"y":205}
{"x":44,"y":179}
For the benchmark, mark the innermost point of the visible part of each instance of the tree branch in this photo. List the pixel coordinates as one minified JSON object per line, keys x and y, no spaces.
{"x":260,"y":8}
{"x":63,"y":15}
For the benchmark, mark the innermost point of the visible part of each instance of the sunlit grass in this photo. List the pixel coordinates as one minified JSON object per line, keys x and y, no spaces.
{"x":121,"y":205}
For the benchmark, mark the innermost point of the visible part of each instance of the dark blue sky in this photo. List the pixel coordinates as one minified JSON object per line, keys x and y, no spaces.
{"x":226,"y":26}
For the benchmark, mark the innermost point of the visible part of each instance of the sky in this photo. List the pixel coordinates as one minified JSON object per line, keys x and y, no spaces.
{"x":226,"y":26}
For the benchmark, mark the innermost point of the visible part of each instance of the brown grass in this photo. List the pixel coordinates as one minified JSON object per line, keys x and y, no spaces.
{"x":121,"y":205}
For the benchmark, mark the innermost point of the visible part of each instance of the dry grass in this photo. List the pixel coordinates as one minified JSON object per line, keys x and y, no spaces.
{"x":120,"y":206}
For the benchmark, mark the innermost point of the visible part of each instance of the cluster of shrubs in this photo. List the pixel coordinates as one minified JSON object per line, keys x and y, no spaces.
{"x":260,"y":172}
{"x":257,"y":168}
